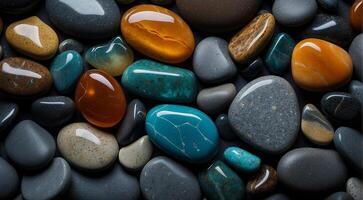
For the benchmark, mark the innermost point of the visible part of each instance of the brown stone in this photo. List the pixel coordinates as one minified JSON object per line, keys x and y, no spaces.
{"x":263,"y":182}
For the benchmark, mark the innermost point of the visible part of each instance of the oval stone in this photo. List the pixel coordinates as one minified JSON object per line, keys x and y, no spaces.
{"x":356,"y":15}
{"x":183,"y":132}
{"x":355,"y":51}
{"x":8,"y":113}
{"x":341,"y":106}
{"x":354,"y":188}
{"x":264,"y":181}
{"x":9,"y":180}
{"x":242,"y":160}
{"x":294,"y":13}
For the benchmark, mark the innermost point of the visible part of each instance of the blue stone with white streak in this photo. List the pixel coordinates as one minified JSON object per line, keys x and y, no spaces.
{"x":183,"y":132}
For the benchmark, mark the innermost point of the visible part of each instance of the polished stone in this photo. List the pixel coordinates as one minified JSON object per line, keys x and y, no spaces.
{"x":264,"y":182}
{"x":354,"y":188}
{"x":9,"y":180}
{"x":225,"y":129}
{"x":339,"y":196}
{"x":216,"y":99}
{"x":8,"y":113}
{"x":340,"y":106}
{"x":70,"y":44}
{"x":356,"y":15}
{"x":355,"y":51}
{"x":294,"y":13}
{"x":253,"y":70}
{"x":242,"y":160}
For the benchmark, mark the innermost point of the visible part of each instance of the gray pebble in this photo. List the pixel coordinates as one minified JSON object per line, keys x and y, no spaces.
{"x":216,"y":99}
{"x":70,"y":44}
{"x":354,"y":187}
{"x":355,"y":51}
{"x":9,"y":180}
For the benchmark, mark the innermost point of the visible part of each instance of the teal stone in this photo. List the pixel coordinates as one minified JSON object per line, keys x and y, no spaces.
{"x":113,"y":57}
{"x":278,"y":56}
{"x":242,"y":160}
{"x":219,"y":182}
{"x":66,"y":68}
{"x":160,"y":82}
{"x":183,"y":132}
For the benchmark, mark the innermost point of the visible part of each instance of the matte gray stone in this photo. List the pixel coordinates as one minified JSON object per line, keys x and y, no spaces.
{"x":8,"y":113}
{"x":354,"y":188}
{"x":9,"y":180}
{"x":356,"y":89}
{"x":278,"y":196}
{"x":339,"y":196}
{"x":70,"y":44}
{"x":215,"y":99}
{"x":355,"y":51}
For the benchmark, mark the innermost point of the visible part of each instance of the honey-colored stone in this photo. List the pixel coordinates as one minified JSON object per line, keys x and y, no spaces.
{"x":100,"y":99}
{"x":356,"y":15}
{"x":158,"y":33}
{"x":318,"y":65}
{"x":32,"y":37}
{"x":251,"y":40}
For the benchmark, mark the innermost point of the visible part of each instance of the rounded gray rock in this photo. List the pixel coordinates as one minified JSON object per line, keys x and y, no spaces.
{"x":355,"y":51}
{"x":354,"y":188}
{"x":9,"y":179}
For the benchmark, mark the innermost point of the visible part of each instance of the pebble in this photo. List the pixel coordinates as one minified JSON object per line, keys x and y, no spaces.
{"x":252,"y":39}
{"x":224,"y":128}
{"x":160,"y":82}
{"x":278,"y":196}
{"x":113,"y":57}
{"x":219,"y":182}
{"x":263,"y":182}
{"x":8,"y":113}
{"x":163,"y":178}
{"x":242,"y":160}
{"x":356,"y":89}
{"x":100,"y":99}
{"x":212,"y":62}
{"x":354,"y":188}
{"x":17,"y":7}
{"x":294,"y":13}
{"x":70,"y":44}
{"x":30,"y":146}
{"x":183,"y":132}
{"x":355,"y":51}
{"x":318,"y":65}
{"x":22,"y":77}
{"x":356,"y":15}
{"x":49,"y":183}
{"x":136,"y":155}
{"x":310,"y":170}
{"x":315,"y":126}
{"x":9,"y":180}
{"x":339,"y":196}
{"x":87,"y":147}
{"x":340,"y":106}
{"x":86,"y":19}
{"x":329,"y":5}
{"x":265,"y":114}
{"x":161,"y":34}
{"x":53,"y":111}
{"x":216,"y":99}
{"x":253,"y":69}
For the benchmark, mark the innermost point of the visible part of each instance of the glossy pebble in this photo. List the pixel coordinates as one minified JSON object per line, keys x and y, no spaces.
{"x":70,"y":44}
{"x":355,"y":51}
{"x":242,"y":160}
{"x":9,"y":179}
{"x":253,"y":69}
{"x":341,"y":106}
{"x":8,"y":113}
{"x":263,"y":182}
{"x":354,"y":188}
{"x":294,"y":13}
{"x":356,"y":15}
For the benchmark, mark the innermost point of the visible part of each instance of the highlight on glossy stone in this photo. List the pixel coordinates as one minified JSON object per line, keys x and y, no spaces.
{"x":242,"y":160}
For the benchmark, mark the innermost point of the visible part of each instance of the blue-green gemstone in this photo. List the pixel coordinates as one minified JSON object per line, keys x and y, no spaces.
{"x":242,"y":160}
{"x":279,"y":54}
{"x":161,"y":82}
{"x":66,"y":68}
{"x":219,"y":182}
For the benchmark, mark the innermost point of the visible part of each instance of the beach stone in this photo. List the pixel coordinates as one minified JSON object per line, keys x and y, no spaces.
{"x":263,"y":182}
{"x":212,"y":62}
{"x":161,"y":173}
{"x":8,"y":113}
{"x":70,"y":44}
{"x":29,"y":145}
{"x":294,"y":166}
{"x":48,"y":184}
{"x":329,"y":5}
{"x":265,"y":114}
{"x":354,"y":188}
{"x":340,"y":106}
{"x":356,"y":89}
{"x":278,"y":196}
{"x":339,"y":196}
{"x":253,"y":70}
{"x":225,"y":129}
{"x":87,"y":147}
{"x":356,"y":15}
{"x":17,"y":7}
{"x":355,"y":51}
{"x":9,"y":179}
{"x":241,"y":160}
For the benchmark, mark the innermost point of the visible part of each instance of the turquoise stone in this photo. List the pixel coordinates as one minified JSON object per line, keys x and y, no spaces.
{"x":183,"y":132}
{"x":279,"y":54}
{"x":161,"y":82}
{"x":242,"y":160}
{"x":66,"y":69}
{"x":113,"y":57}
{"x":219,"y":182}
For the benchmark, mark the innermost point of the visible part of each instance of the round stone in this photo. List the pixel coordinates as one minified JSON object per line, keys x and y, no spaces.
{"x":263,"y":182}
{"x":341,"y":106}
{"x":242,"y":160}
{"x":70,"y":44}
{"x":9,"y":180}
{"x":8,"y":113}
{"x":356,"y":15}
{"x":339,"y":196}
{"x":354,"y":188}
{"x":355,"y":51}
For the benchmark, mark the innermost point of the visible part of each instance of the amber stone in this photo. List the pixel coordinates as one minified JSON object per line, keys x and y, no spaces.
{"x":158,"y":33}
{"x":318,"y":65}
{"x":100,"y":99}
{"x":263,"y":182}
{"x":356,"y":15}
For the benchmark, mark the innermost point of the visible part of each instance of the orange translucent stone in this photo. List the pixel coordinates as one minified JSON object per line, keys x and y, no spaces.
{"x":356,"y":15}
{"x":100,"y":99}
{"x":158,"y":33}
{"x":318,"y":65}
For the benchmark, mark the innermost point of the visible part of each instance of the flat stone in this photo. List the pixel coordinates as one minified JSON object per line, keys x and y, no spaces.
{"x":354,"y":188}
{"x":241,"y":160}
{"x":253,"y":70}
{"x":356,"y":89}
{"x":70,"y":44}
{"x":225,"y":129}
{"x":29,"y":145}
{"x":263,"y":182}
{"x":340,"y":106}
{"x":8,"y":113}
{"x":294,"y":13}
{"x":355,"y":51}
{"x":17,"y":7}
{"x":265,"y":114}
{"x":212,"y":62}
{"x":329,"y":5}
{"x":9,"y":180}
{"x":163,"y":178}
{"x":278,"y":196}
{"x":339,"y":196}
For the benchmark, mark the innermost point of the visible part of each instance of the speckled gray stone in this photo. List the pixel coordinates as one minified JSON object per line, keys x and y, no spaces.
{"x":265,"y":114}
{"x":355,"y":51}
{"x":339,"y":196}
{"x":70,"y":44}
{"x":8,"y":112}
{"x":9,"y":180}
{"x":356,"y":89}
{"x":215,"y":99}
{"x":163,"y":178}
{"x":354,"y":188}
{"x":278,"y":196}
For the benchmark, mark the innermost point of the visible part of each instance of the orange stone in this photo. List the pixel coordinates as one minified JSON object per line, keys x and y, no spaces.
{"x":158,"y":33}
{"x":318,"y":65}
{"x":100,"y":99}
{"x":356,"y":15}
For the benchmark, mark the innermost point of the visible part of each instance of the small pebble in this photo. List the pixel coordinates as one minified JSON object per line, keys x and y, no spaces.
{"x":253,"y":69}
{"x":354,"y":188}
{"x":70,"y":44}
{"x":356,"y":15}
{"x":224,"y":128}
{"x":340,"y":106}
{"x":242,"y":160}
{"x":263,"y":182}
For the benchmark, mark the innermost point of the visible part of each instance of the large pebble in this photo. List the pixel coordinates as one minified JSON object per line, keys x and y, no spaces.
{"x":339,"y":196}
{"x":8,"y":113}
{"x":215,"y":99}
{"x":264,"y":182}
{"x":340,"y":106}
{"x":294,"y":13}
{"x":242,"y":160}
{"x":354,"y":188}
{"x":9,"y":180}
{"x":355,"y":51}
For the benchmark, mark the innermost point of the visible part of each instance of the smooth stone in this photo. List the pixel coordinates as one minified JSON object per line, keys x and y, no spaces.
{"x":356,"y":15}
{"x":279,"y":54}
{"x":29,"y":145}
{"x":163,"y":178}
{"x":212,"y":62}
{"x":53,"y":111}
{"x":254,"y":69}
{"x":160,"y":82}
{"x":294,"y":13}
{"x":49,"y":183}
{"x":225,"y":129}
{"x":356,"y":89}
{"x":349,"y":144}
{"x":263,"y":182}
{"x":33,"y":37}
{"x":8,"y":113}
{"x":252,"y":39}
{"x":86,"y":19}
{"x":132,"y":125}
{"x":278,"y":196}
{"x":86,"y":147}
{"x":136,"y":155}
{"x":329,"y":5}
{"x":318,"y":65}
{"x":219,"y":182}
{"x":265,"y":114}
{"x":218,"y":16}
{"x":310,"y":170}
{"x":354,"y":188}
{"x":66,"y":69}
{"x":341,"y":106}
{"x":355,"y":51}
{"x":183,"y":132}
{"x":162,"y":2}
{"x":23,"y":77}
{"x":18,"y":6}
{"x":241,"y":160}
{"x":9,"y":180}
{"x":70,"y":44}
{"x":113,"y":57}
{"x":339,"y":196}
{"x":315,"y":126}
{"x":216,"y":99}
{"x":114,"y":184}
{"x":160,"y":34}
